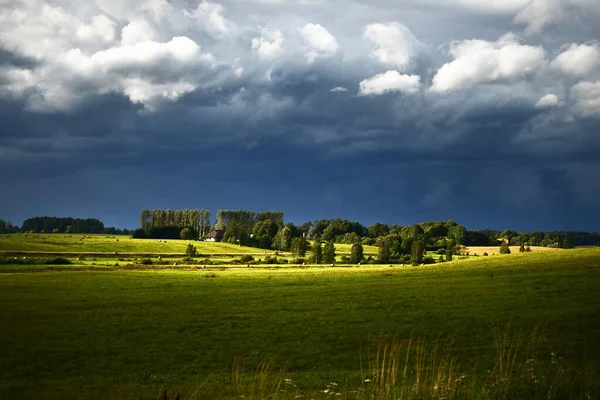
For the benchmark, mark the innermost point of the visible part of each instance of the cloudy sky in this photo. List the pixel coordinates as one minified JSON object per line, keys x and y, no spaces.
{"x":401,"y":111}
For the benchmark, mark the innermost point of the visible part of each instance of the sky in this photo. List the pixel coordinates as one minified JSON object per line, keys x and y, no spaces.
{"x":399,"y":111}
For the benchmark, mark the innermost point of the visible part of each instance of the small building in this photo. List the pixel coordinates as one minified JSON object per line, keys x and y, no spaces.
{"x":216,"y":235}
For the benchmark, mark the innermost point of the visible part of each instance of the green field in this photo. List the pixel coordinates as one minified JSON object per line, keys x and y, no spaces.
{"x":129,"y":334}
{"x":85,"y":243}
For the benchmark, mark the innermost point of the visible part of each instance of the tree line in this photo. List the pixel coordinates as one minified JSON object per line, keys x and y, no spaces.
{"x":63,"y":225}
{"x":168,"y":224}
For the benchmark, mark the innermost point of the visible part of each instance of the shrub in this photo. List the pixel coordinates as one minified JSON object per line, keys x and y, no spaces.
{"x":55,"y":230}
{"x":186,"y":234}
{"x":191,"y":251}
{"x":428,"y":260}
{"x":271,"y":260}
{"x":485,"y":253}
{"x":146,"y":261}
{"x":504,"y":249}
{"x":527,"y":249}
{"x":246,"y":258}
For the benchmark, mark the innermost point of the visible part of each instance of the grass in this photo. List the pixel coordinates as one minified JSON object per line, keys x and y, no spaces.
{"x":79,"y":243}
{"x":132,"y":334}
{"x":493,"y":250}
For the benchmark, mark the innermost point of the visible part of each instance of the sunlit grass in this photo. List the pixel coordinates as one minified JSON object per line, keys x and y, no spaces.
{"x":129,"y":334}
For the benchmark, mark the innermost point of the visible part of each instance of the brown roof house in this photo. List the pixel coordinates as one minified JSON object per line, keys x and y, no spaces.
{"x":216,"y":235}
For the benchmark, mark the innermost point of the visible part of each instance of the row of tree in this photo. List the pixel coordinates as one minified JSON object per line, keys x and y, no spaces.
{"x":63,"y":225}
{"x":167,"y":224}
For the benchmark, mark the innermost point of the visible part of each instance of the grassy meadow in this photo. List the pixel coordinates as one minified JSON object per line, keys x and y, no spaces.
{"x":515,"y":326}
{"x":95,"y":243}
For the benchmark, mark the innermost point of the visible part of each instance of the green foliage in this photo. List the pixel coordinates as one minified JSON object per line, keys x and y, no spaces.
{"x":356,"y":253}
{"x":299,"y":246}
{"x":450,"y":249}
{"x":69,"y":229}
{"x":146,"y":261}
{"x":55,"y":230}
{"x":504,"y":249}
{"x":522,"y":248}
{"x":283,"y":239}
{"x":378,"y":229}
{"x":191,"y":251}
{"x":246,"y":258}
{"x":329,"y":253}
{"x":418,"y":247}
{"x":384,"y":250}
{"x":266,"y":228}
{"x":317,"y":252}
{"x":197,"y":220}
{"x":348,"y":238}
{"x":186,"y":234}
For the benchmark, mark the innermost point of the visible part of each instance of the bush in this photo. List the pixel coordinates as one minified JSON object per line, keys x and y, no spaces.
{"x":485,"y":253}
{"x":55,"y":230}
{"x":146,"y":261}
{"x":271,"y":260}
{"x":428,"y":260}
{"x":246,"y":258}
{"x":191,"y":251}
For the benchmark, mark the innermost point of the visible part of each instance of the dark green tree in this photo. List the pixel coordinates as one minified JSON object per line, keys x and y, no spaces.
{"x":418,"y":247}
{"x":329,"y":253}
{"x":450,"y":249}
{"x":283,"y":239}
{"x":317,"y":252}
{"x":378,"y":229}
{"x":384,"y":250}
{"x":191,"y":251}
{"x":522,"y":248}
{"x":356,"y":253}
{"x":504,"y":249}
{"x":186,"y":234}
{"x":299,"y":246}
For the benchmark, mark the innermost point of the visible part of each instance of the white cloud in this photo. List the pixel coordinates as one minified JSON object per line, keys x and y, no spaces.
{"x":136,"y":31}
{"x":547,"y":101}
{"x":338,"y":89}
{"x":390,"y":81}
{"x":319,"y":41}
{"x":210,"y":15}
{"x":269,"y":44}
{"x":578,"y":60}
{"x":178,"y":51}
{"x":101,"y":28}
{"x":394,"y":44}
{"x":478,"y":62}
{"x":587,"y":96}
{"x":538,"y":14}
{"x":149,"y":94}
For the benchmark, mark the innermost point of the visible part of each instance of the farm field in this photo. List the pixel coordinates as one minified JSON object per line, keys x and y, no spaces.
{"x":130,"y":334}
{"x":120,"y":244}
{"x":86,"y":243}
{"x":493,"y":250}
